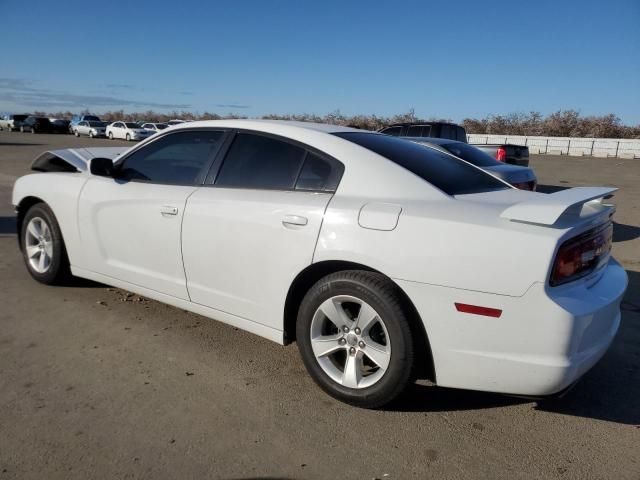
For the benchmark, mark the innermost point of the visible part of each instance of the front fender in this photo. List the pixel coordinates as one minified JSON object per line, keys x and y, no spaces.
{"x":60,"y":191}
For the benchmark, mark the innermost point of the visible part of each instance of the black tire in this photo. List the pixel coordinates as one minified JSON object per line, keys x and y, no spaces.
{"x":21,"y":129}
{"x":59,"y":271}
{"x":110,"y":135}
{"x":386,"y":299}
{"x":128,"y":137}
{"x":76,"y":133}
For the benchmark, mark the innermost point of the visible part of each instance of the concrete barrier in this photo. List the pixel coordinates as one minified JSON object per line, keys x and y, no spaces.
{"x":597,"y":147}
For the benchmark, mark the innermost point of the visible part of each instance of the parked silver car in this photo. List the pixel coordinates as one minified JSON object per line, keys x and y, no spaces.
{"x":523,"y":178}
{"x":10,"y":121}
{"x":90,"y":128}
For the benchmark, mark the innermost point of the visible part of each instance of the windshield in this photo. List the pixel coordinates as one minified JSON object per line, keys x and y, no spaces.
{"x":97,"y":124}
{"x":471,"y":154}
{"x":132,"y":125}
{"x":19,"y":118}
{"x":439,"y":169}
{"x":91,"y":118}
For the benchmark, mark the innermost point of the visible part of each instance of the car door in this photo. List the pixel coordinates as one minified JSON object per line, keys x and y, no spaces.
{"x":130,"y":224}
{"x":83,"y":128}
{"x":249,"y":232}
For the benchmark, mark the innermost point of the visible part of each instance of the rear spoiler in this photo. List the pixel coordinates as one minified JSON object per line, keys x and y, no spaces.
{"x":547,"y":209}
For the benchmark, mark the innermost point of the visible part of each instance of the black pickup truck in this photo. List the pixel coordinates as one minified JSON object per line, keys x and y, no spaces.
{"x":507,"y":153}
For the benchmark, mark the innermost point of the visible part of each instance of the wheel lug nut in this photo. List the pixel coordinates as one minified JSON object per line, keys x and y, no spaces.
{"x":345,"y":329}
{"x":342,"y":341}
{"x":357,"y":330}
{"x":361,"y":344}
{"x":352,"y":350}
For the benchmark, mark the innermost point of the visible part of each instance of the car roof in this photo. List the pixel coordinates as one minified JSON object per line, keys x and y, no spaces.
{"x":281,"y":127}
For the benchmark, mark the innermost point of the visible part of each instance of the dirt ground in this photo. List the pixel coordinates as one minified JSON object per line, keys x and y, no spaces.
{"x":98,"y":383}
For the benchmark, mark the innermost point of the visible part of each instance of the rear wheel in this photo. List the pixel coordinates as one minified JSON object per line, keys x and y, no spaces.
{"x":42,"y":245}
{"x":355,"y":338}
{"x":110,"y":135}
{"x":76,"y":133}
{"x":21,"y":129}
{"x":128,"y":137}
{"x":90,"y":134}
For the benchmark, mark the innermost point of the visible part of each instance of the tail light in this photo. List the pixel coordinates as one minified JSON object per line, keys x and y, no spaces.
{"x":501,"y":154}
{"x":526,"y":185}
{"x":581,"y":255}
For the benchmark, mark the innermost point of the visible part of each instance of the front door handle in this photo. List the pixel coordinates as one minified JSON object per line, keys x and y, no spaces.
{"x":288,"y":220}
{"x":168,"y":210}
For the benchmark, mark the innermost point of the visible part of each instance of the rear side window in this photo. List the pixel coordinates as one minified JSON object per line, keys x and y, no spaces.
{"x":419,"y":131}
{"x":315,"y":174}
{"x":255,"y":161}
{"x":450,"y":175}
{"x":177,"y":159}
{"x":462,"y":135}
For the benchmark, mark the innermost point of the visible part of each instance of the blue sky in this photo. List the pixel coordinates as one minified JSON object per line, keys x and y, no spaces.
{"x":452,"y":59}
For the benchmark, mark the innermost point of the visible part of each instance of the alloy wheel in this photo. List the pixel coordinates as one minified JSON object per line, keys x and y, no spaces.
{"x":350,"y":341}
{"x":39,"y":245}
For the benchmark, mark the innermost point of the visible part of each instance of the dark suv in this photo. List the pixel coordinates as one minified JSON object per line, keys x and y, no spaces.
{"x":35,"y":124}
{"x":427,"y":129}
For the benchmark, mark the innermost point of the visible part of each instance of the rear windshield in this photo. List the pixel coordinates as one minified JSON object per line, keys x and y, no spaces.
{"x":97,"y":124}
{"x":91,"y":117}
{"x":471,"y":154}
{"x":439,"y":169}
{"x":132,"y":125}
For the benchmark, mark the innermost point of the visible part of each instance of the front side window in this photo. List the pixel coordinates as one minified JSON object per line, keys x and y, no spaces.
{"x":462,"y":135}
{"x":447,"y":173}
{"x":256,"y":161}
{"x":178,"y":159}
{"x":132,"y":125}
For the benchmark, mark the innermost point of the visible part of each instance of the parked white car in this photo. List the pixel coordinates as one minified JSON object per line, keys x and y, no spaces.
{"x":127,"y":131}
{"x":11,"y":121}
{"x":381,"y":257}
{"x":90,"y":128}
{"x":154,"y":127}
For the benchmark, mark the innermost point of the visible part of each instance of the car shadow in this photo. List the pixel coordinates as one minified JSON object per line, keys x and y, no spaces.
{"x":608,"y":392}
{"x":623,"y":233}
{"x":15,"y":144}
{"x":8,"y":225}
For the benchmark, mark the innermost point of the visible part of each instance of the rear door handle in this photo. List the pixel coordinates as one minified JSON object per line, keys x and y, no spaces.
{"x":168,"y":210}
{"x":294,"y":220}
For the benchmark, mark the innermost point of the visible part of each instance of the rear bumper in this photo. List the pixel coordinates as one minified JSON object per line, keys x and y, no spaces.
{"x":542,"y":343}
{"x":521,"y":162}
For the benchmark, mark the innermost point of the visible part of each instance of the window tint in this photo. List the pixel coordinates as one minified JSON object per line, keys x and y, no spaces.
{"x":175,"y":159}
{"x":254,"y":161}
{"x":445,"y":132}
{"x":439,"y":169}
{"x":414,"y":131}
{"x":462,"y":135}
{"x":395,"y":131}
{"x":315,"y":174}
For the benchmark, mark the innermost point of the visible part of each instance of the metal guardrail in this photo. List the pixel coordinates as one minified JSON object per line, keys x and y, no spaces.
{"x":596,"y":147}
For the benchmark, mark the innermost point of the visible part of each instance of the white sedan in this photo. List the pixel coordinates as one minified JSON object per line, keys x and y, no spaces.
{"x":382,"y":258}
{"x":155,"y":127}
{"x":127,"y":131}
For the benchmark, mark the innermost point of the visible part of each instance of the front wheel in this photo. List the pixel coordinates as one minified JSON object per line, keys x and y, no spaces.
{"x":110,"y":135}
{"x":128,"y":137}
{"x":42,"y":246}
{"x":21,"y":129}
{"x":77,"y":133}
{"x":355,"y":338}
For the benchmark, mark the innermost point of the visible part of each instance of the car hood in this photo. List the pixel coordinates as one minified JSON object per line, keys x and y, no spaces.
{"x":78,"y":157}
{"x":512,"y":173}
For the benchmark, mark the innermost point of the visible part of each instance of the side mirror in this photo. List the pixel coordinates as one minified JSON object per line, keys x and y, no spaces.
{"x":103,"y":167}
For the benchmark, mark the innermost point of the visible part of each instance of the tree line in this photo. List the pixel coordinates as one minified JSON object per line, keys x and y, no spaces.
{"x":563,"y":123}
